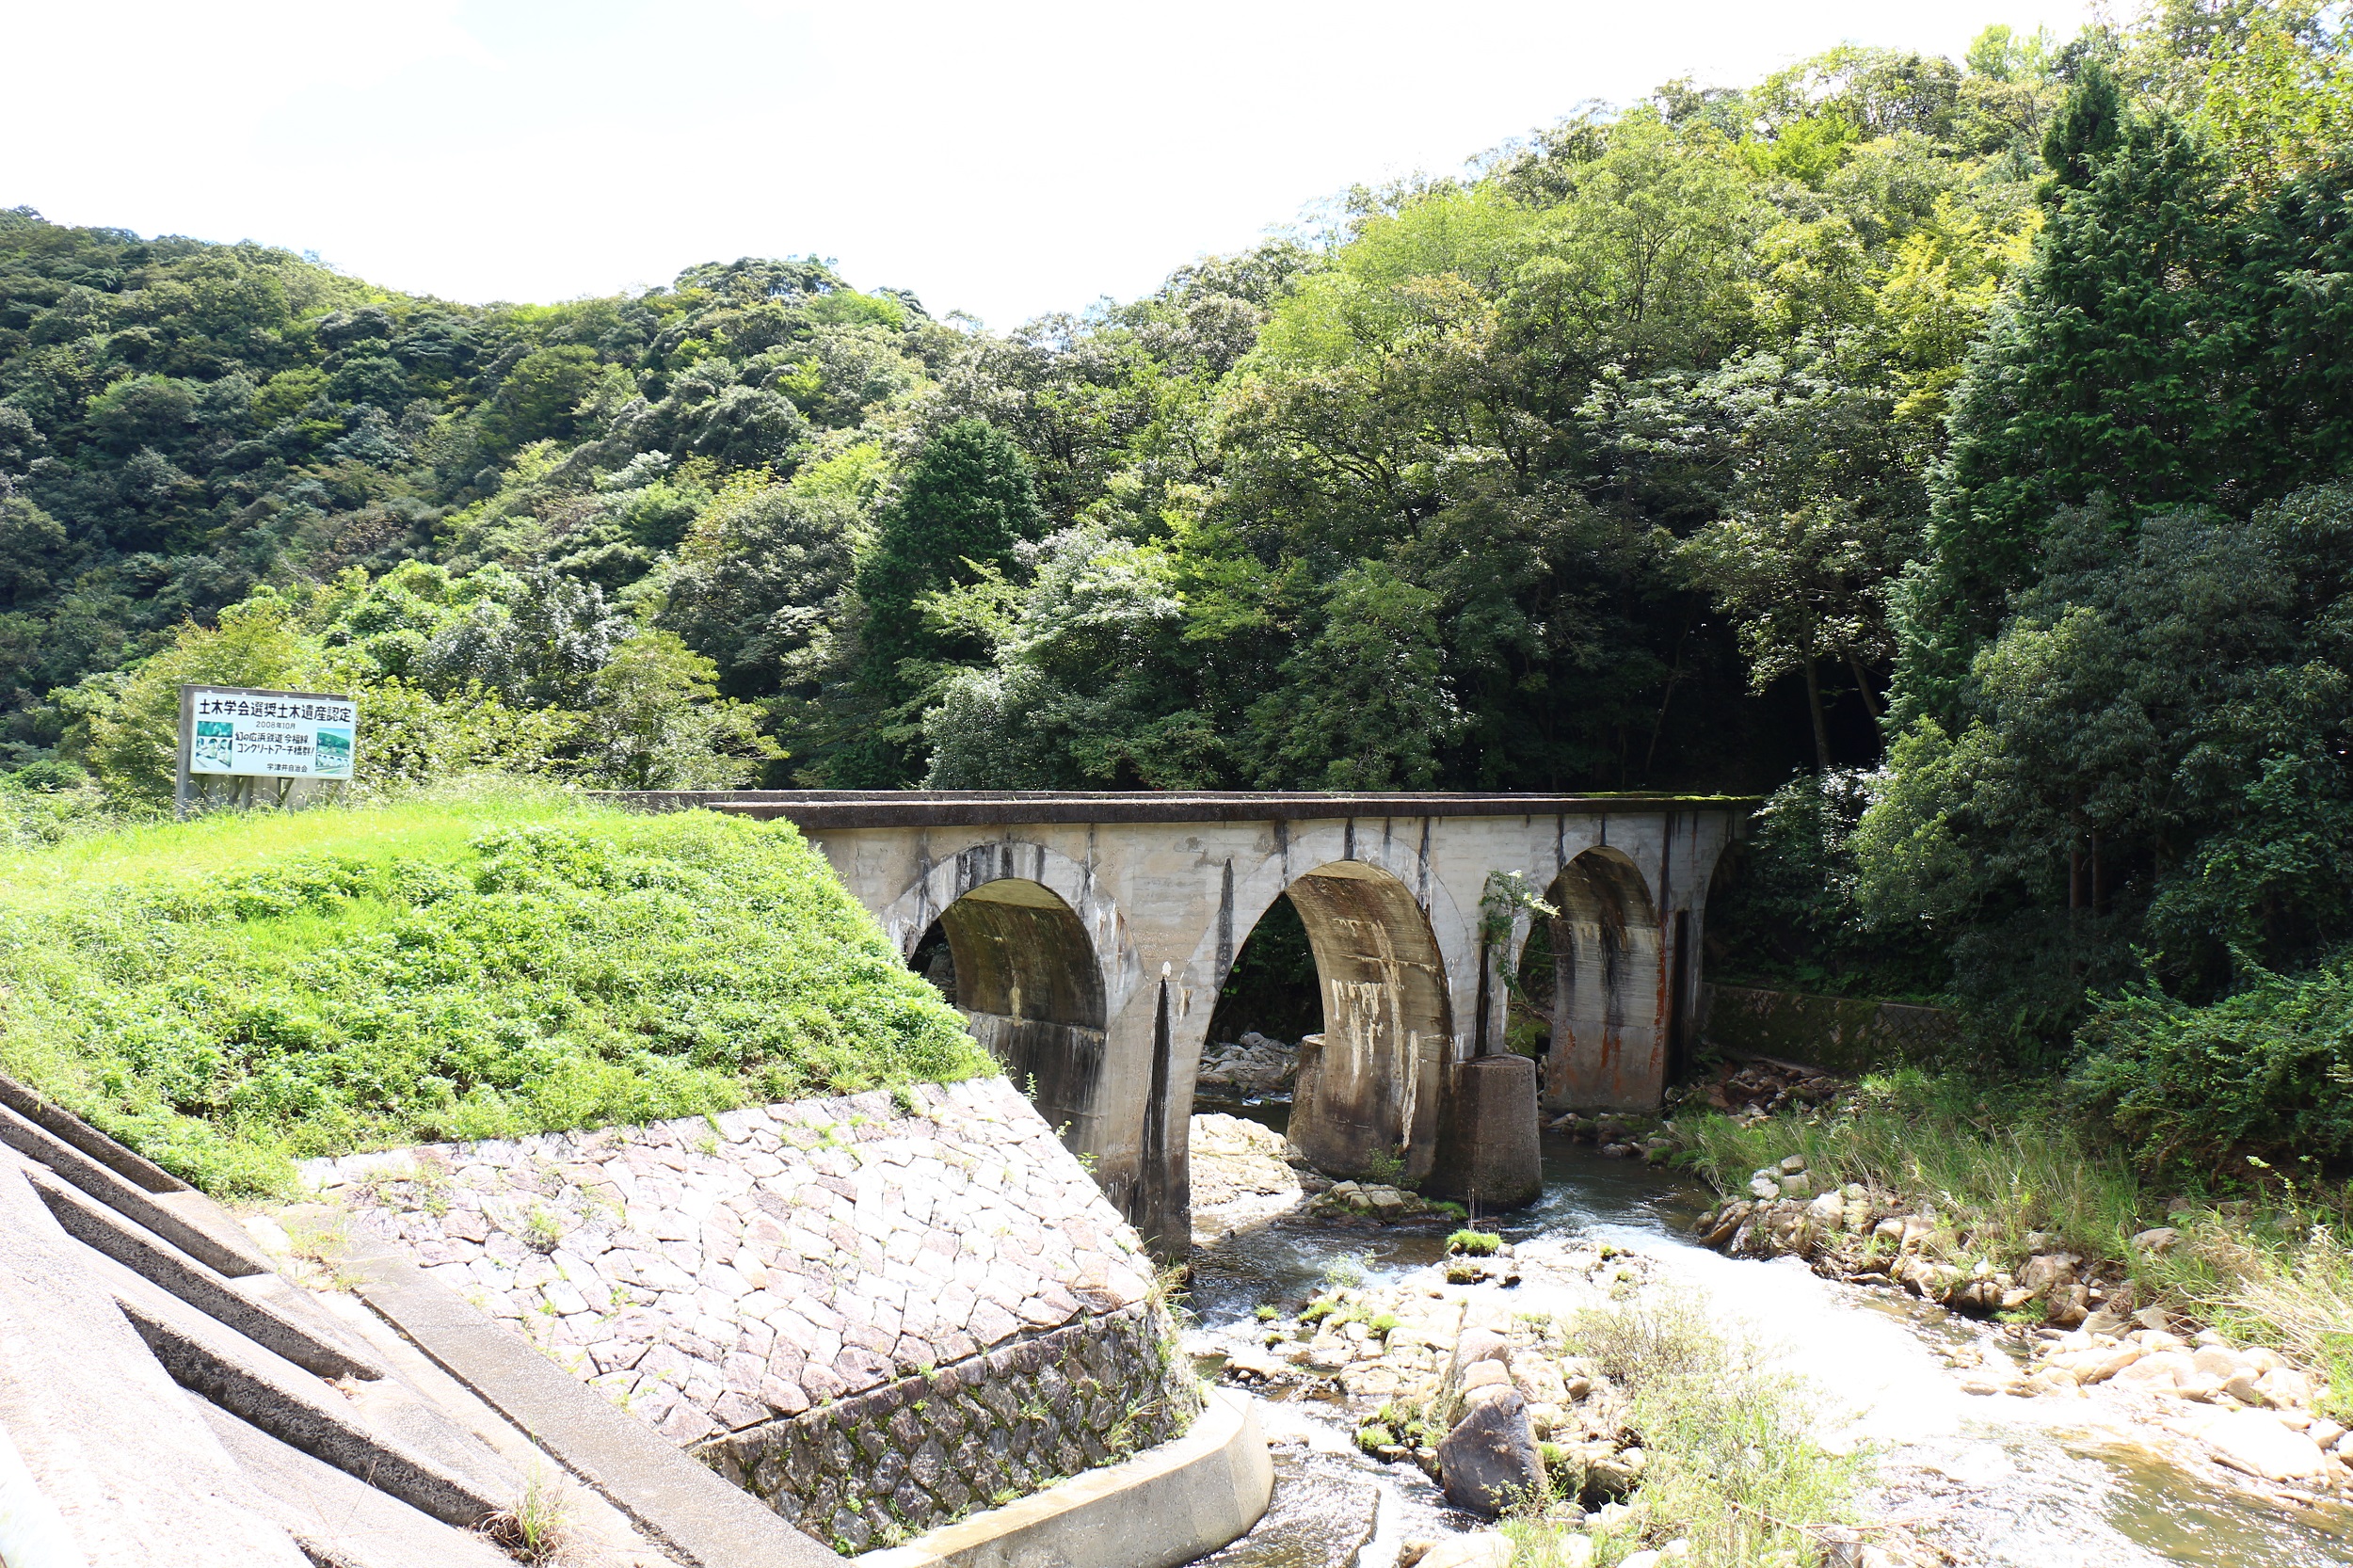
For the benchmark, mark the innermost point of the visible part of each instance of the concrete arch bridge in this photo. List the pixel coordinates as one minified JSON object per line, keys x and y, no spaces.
{"x":1090,"y":934}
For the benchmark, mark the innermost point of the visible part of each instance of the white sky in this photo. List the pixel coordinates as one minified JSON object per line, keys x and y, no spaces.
{"x":1004,"y":159}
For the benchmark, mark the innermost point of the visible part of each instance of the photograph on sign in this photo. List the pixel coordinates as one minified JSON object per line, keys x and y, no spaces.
{"x":250,"y":734}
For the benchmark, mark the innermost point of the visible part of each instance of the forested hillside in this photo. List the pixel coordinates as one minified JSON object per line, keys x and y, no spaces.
{"x":1527,"y":479}
{"x":1979,"y":420}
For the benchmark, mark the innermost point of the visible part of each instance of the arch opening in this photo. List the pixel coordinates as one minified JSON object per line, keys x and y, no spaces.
{"x":1606,"y":998}
{"x":1016,"y":962}
{"x":1366,"y":1100}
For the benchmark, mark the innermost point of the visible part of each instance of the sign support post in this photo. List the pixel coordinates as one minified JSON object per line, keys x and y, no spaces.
{"x":245,"y":735}
{"x":183,"y":786}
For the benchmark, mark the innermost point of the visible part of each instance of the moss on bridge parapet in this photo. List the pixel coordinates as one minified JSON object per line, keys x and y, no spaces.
{"x":819,"y":809}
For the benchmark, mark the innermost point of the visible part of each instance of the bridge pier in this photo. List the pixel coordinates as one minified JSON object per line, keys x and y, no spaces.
{"x":1089,"y":935}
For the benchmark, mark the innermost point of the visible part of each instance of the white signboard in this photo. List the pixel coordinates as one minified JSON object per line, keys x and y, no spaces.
{"x":234,"y":732}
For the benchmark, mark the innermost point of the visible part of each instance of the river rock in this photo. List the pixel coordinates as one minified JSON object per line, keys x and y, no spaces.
{"x":2162,"y":1371}
{"x":1369,"y":1200}
{"x":1611,"y":1472}
{"x":1485,"y":1549}
{"x":1480,"y":1374}
{"x":2255,"y":1441}
{"x":1233,"y":1158}
{"x":1253,"y":1064}
{"x":2156,"y":1242}
{"x":1764,"y":1189}
{"x":2048,"y":1272}
{"x":1489,"y":1461}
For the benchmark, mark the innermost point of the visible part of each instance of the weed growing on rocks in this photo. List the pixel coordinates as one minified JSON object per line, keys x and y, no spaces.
{"x":1731,"y":1458}
{"x":1996,"y":1165}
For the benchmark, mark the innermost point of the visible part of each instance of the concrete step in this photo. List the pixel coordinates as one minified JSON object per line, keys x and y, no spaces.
{"x":263,"y":1311}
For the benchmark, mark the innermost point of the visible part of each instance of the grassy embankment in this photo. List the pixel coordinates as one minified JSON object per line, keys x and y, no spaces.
{"x":234,"y":993}
{"x":2259,"y":1260}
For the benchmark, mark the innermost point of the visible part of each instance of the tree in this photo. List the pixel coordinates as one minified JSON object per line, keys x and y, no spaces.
{"x":1362,"y":705}
{"x":654,"y":721}
{"x":129,"y":732}
{"x":539,"y":397}
{"x":964,"y":504}
{"x":2116,"y":371}
{"x":534,"y":640}
{"x":2154,"y":745}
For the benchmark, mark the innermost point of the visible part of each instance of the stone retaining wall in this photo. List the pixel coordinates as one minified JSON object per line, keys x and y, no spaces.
{"x":926,"y":1451}
{"x":876,"y":1311}
{"x":1846,"y":1034}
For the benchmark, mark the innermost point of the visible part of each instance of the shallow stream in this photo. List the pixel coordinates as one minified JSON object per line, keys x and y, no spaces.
{"x":2002,"y":1482}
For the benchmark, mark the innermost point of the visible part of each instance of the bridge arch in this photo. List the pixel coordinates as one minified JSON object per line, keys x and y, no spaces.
{"x":1030,"y":951}
{"x":1377,"y":919}
{"x":1607,"y":985}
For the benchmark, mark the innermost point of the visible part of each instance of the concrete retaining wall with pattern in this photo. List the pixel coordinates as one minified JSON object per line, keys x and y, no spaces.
{"x":1846,"y":1034}
{"x":876,"y":1312}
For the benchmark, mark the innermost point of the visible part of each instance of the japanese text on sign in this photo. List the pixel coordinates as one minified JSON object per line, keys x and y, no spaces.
{"x":277,"y":735}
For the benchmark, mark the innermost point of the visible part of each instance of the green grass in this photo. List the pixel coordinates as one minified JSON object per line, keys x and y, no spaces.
{"x":1992,"y":1164}
{"x":231,"y":994}
{"x":2270,"y":1273}
{"x":1735,"y":1462}
{"x":2263,"y":1261}
{"x":1475,"y":1243}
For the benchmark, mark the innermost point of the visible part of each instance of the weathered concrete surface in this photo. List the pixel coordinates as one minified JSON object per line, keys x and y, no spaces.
{"x":336,"y":1518}
{"x":1489,"y":1143}
{"x":1162,"y":889}
{"x":1176,"y":1503}
{"x":147,"y":1415}
{"x":264,"y":1311}
{"x":189,"y":1220}
{"x":112,"y":1448}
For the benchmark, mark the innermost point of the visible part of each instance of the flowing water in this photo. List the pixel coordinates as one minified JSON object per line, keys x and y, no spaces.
{"x":2004,"y":1482}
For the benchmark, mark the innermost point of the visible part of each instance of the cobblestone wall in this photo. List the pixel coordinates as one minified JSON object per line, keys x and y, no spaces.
{"x":790,"y":1291}
{"x":878,"y":1466}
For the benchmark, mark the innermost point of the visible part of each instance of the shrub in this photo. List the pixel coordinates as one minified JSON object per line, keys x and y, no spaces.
{"x":2192,"y":1091}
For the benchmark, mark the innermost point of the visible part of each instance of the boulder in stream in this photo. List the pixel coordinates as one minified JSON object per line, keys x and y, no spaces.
{"x":1489,"y":1461}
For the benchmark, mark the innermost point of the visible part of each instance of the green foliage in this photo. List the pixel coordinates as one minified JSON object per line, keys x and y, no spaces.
{"x":2193,"y":1091}
{"x":1473,"y":1244}
{"x":1786,"y":911}
{"x":2143,"y":758}
{"x":2166,"y":346}
{"x":966,"y":502}
{"x":229,"y":994}
{"x":1993,"y":1160}
{"x":650,"y":722}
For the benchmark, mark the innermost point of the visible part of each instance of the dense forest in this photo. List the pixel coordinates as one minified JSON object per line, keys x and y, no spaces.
{"x":1951,"y":450}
